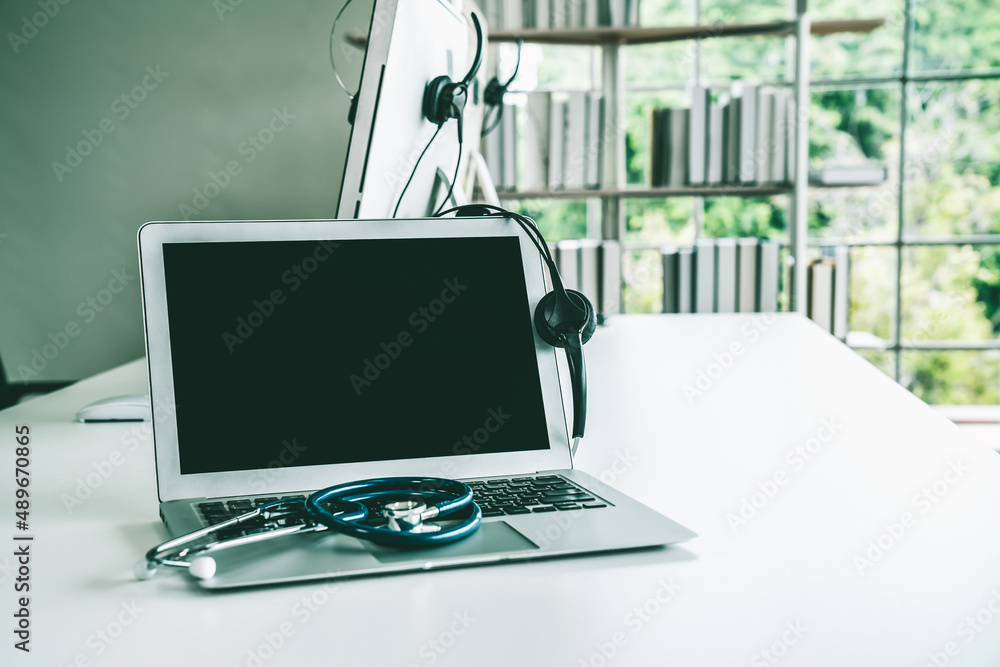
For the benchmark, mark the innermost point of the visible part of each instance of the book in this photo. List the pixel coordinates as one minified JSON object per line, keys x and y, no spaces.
{"x":731,"y":125}
{"x":725,"y":275}
{"x":716,"y":143}
{"x":748,"y":134}
{"x":588,"y":262}
{"x":575,"y":141}
{"x":764,"y":139}
{"x":610,"y":266}
{"x":768,"y":275}
{"x":557,"y":146}
{"x":658,"y":146}
{"x":791,"y":128}
{"x":512,"y":15}
{"x":594,"y":146}
{"x":685,"y":279}
{"x":861,"y":174}
{"x":677,"y":151}
{"x":493,"y":154}
{"x":669,"y":258}
{"x":508,"y":123}
{"x":779,"y":154}
{"x":698,"y":134}
{"x":536,"y":140}
{"x":819,"y":293}
{"x":704,"y":276}
{"x":841,"y":256}
{"x":746,"y":275}
{"x":568,"y":262}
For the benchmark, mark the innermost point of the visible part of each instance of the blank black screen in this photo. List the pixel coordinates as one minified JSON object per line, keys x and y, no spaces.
{"x":298,"y":353}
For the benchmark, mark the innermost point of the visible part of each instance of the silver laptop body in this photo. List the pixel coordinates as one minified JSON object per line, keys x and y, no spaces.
{"x":288,"y":356}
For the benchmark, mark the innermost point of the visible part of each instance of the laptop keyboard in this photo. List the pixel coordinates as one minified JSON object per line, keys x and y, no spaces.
{"x":495,"y":497}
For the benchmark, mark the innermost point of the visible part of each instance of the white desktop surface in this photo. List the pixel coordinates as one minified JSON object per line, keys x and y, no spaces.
{"x":787,"y":581}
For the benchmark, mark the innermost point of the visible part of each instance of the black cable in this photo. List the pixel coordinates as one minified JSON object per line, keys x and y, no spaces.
{"x":529,"y":226}
{"x":414,"y":171}
{"x":454,"y":178}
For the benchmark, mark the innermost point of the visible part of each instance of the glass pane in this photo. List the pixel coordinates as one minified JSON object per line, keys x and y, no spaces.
{"x":557,"y":219}
{"x":751,"y":58}
{"x":854,"y":126}
{"x":953,"y":158}
{"x":666,"y":12}
{"x":885,"y":361}
{"x":842,"y":55}
{"x":654,"y":65}
{"x":667,"y":220}
{"x":871,"y":315}
{"x":737,"y":11}
{"x":953,"y":377}
{"x":642,"y":272}
{"x":956,"y":35}
{"x":950,"y":292}
{"x":833,"y":10}
{"x":763,"y":217}
{"x":550,"y":67}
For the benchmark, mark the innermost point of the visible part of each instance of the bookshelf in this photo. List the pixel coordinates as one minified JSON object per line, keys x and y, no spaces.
{"x":614,"y":189}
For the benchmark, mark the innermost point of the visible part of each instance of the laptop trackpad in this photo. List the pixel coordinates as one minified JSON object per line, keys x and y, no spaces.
{"x":492,"y":537}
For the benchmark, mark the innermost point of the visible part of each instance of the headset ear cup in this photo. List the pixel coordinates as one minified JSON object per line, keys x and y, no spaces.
{"x":543,"y":313}
{"x":437,"y":103}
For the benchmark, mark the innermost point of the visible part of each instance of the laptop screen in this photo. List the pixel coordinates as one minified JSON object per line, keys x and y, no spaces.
{"x":304,"y":353}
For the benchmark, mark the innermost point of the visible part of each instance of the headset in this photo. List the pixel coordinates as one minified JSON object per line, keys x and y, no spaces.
{"x":494,"y":93}
{"x":563,"y":318}
{"x":443,"y":100}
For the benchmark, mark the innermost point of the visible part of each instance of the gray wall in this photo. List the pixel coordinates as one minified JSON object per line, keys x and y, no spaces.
{"x":64,"y":236}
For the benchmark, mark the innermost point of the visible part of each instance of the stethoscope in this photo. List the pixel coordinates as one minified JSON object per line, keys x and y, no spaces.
{"x":404,"y":527}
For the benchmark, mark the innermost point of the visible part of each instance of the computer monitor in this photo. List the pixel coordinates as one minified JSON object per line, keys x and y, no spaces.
{"x":410,"y":43}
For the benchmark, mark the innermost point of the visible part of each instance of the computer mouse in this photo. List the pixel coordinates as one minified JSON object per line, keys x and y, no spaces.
{"x":116,"y":409}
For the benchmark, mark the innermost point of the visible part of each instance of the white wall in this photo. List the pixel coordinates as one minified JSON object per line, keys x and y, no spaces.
{"x":63,"y":236}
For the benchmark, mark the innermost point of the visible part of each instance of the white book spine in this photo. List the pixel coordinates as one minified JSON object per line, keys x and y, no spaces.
{"x":494,"y":156}
{"x":589,"y":262}
{"x":568,"y":261}
{"x":512,"y":15}
{"x":716,"y":143}
{"x":704,"y":276}
{"x":509,"y":123}
{"x":748,"y":134}
{"x":765,"y":134}
{"x":543,"y":15}
{"x":725,"y":275}
{"x":595,"y":143}
{"x":780,"y":153}
{"x":536,"y":141}
{"x":576,"y":140}
{"x":698,"y":135}
{"x":746,"y":275}
{"x":768,"y":272}
{"x":677,"y":173}
{"x":557,"y":144}
{"x":792,"y":122}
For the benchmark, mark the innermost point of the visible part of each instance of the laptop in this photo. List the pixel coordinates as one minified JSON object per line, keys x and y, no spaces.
{"x":288,"y":356}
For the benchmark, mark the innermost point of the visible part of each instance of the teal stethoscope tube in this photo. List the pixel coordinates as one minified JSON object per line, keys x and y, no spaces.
{"x":442,"y":497}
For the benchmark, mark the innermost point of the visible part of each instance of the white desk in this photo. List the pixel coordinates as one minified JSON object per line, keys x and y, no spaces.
{"x":788,"y":581}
